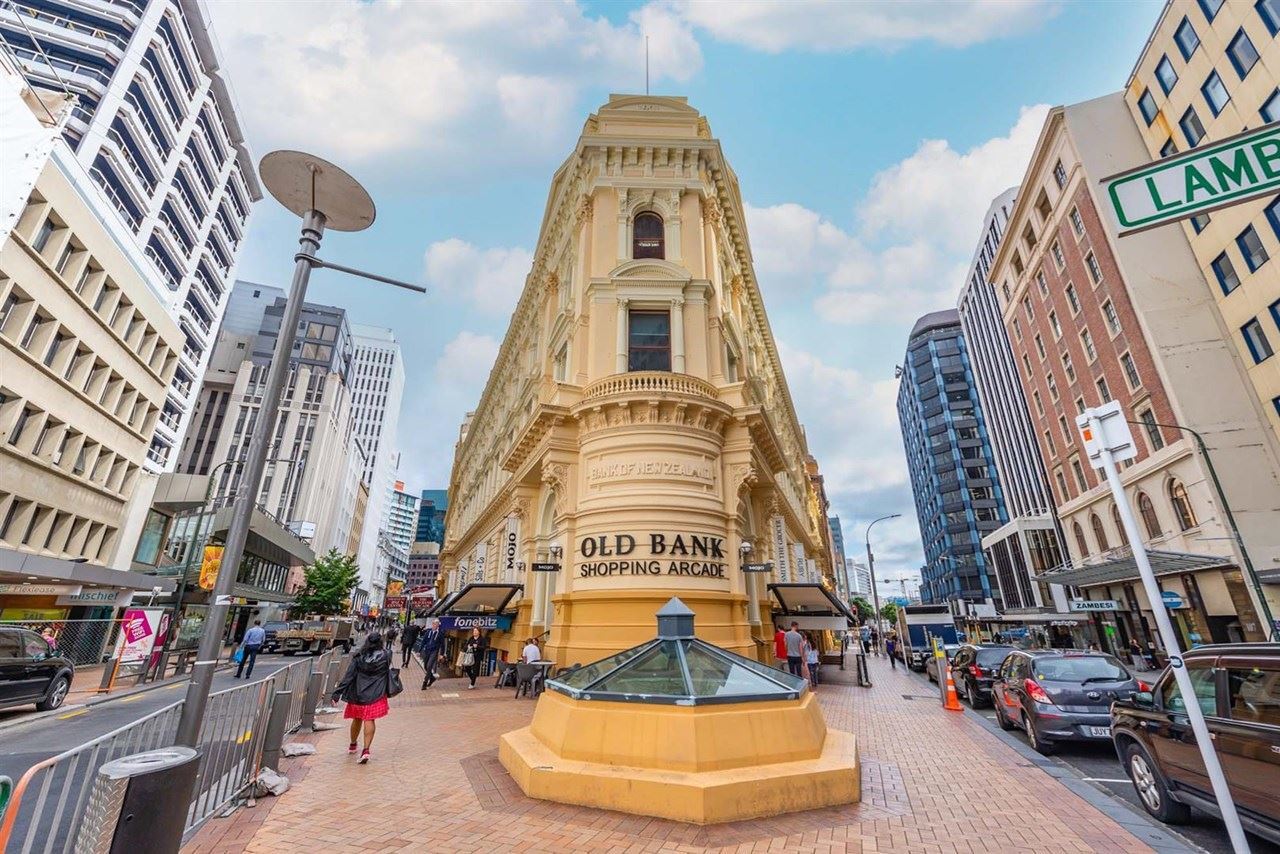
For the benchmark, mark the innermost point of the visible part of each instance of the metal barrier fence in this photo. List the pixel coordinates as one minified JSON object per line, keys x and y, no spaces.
{"x":85,"y":642}
{"x":49,"y":801}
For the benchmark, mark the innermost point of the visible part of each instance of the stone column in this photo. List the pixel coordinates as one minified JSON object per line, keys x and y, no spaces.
{"x":621,"y":353}
{"x":677,"y":335}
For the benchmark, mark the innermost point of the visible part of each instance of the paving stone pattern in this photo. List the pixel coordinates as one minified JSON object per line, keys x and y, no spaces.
{"x":933,"y":781}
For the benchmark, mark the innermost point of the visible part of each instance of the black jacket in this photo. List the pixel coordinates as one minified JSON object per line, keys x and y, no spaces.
{"x":428,"y":643}
{"x":365,"y":681}
{"x":410,"y":635}
{"x":476,"y":646}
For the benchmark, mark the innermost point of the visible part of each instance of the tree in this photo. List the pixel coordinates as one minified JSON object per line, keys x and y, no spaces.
{"x":889,"y":612}
{"x":327,"y":585}
{"x":863,"y":608}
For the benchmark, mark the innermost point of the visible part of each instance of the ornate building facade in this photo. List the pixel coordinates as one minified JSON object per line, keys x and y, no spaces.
{"x":636,"y":433}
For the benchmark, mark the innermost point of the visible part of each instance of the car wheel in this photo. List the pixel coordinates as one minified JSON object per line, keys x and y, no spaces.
{"x":929,"y":673}
{"x":974,"y":695}
{"x":56,"y":696}
{"x":1038,"y":744}
{"x":1003,"y":721}
{"x":1150,"y":787}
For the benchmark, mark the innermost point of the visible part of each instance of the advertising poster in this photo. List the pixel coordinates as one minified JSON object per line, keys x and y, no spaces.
{"x":139,"y":631}
{"x":209,"y":567}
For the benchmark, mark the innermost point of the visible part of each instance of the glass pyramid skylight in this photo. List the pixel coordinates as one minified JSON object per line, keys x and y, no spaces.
{"x":677,"y":668}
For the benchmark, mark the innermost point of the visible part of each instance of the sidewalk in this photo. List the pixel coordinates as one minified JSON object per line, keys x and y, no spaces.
{"x":933,"y":781}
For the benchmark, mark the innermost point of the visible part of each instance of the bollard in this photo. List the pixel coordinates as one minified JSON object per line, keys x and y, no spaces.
{"x":139,"y":803}
{"x":273,"y":739}
{"x":310,"y":700}
{"x":108,"y":675}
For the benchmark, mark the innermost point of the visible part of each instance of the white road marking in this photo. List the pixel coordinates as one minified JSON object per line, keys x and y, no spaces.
{"x":1106,"y":780}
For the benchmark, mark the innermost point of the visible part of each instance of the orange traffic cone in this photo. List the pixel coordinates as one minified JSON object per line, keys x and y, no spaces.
{"x":952,"y":703}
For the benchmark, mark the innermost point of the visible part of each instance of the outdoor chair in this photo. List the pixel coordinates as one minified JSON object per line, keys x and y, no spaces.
{"x":527,"y":678}
{"x":506,"y":675}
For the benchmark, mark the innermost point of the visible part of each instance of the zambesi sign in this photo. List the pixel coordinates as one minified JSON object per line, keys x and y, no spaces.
{"x":668,"y":553}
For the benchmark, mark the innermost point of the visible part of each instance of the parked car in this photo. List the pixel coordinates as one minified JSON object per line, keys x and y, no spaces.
{"x":31,"y":671}
{"x":931,"y":663}
{"x":271,"y":627}
{"x":1060,"y":695}
{"x":1238,"y":688}
{"x":974,"y":667}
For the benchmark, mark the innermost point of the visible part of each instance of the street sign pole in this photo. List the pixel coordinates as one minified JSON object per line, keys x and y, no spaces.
{"x":1105,"y":434}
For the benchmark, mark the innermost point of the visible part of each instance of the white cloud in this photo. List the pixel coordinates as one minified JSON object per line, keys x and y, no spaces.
{"x":490,"y":278}
{"x":829,"y":25}
{"x":464,"y":366}
{"x":914,"y":233}
{"x":465,"y":80}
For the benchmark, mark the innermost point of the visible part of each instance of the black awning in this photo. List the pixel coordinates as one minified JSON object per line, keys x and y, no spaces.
{"x":1119,"y":565}
{"x":476,"y":600}
{"x":810,"y":600}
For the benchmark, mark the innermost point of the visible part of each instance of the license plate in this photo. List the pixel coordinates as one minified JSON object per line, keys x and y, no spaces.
{"x":1099,"y":731}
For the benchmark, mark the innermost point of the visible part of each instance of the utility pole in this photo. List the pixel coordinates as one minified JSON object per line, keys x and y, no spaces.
{"x":324,"y":196}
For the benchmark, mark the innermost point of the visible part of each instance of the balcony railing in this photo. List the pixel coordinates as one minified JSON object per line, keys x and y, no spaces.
{"x":66,"y":23}
{"x":650,"y":384}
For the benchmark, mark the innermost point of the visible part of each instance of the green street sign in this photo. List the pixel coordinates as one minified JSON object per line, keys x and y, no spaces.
{"x":1230,"y":171}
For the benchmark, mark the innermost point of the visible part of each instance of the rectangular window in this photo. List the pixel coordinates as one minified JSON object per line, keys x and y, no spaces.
{"x":1112,"y":319}
{"x":1242,"y":53}
{"x":1169,"y":148}
{"x":1192,"y":127}
{"x":54,"y":347}
{"x":1017,"y":328}
{"x":1073,"y":299}
{"x":1066,"y":430}
{"x":23,"y":417}
{"x":1059,"y":175}
{"x":1215,"y":93}
{"x":1062,"y":485}
{"x":1210,"y":7}
{"x":1200,"y":222}
{"x":1040,"y":347}
{"x":1226,"y":273}
{"x":1253,"y":695}
{"x":1041,"y":283}
{"x":1130,"y":371}
{"x":1154,"y":437}
{"x":1186,"y":38}
{"x":1035,"y":396}
{"x":1256,"y":339}
{"x":1095,"y":270}
{"x":1269,"y":12}
{"x":1270,"y":111}
{"x":1078,"y":471}
{"x":1255,"y":255}
{"x":41,"y":238}
{"x":1166,"y":75}
{"x":1053,"y":387}
{"x":1147,"y":106}
{"x":1026,"y":307}
{"x":1104,"y":390}
{"x":1068,"y":366}
{"x":1086,"y":340}
{"x":1026,"y":365}
{"x":649,"y":341}
{"x":1077,"y":222}
{"x":1048,"y":440}
{"x":1054,"y":325}
{"x":1058,"y":259}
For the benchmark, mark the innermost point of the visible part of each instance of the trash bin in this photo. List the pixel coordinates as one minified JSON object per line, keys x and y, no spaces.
{"x":139,"y":803}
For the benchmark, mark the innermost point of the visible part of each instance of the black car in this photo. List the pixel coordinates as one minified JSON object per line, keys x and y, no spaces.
{"x":974,"y":667}
{"x":1238,"y":688}
{"x":270,"y":644}
{"x":31,"y":671}
{"x":1060,"y":695}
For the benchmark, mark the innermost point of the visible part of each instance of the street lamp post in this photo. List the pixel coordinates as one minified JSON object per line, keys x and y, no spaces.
{"x":871,"y":570}
{"x":1247,"y":563}
{"x":323,"y":196}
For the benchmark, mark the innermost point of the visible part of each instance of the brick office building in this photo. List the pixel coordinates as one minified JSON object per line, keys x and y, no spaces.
{"x":1091,"y":318}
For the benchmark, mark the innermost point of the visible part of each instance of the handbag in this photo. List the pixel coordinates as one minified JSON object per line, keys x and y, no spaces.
{"x":238,"y":656}
{"x":468,"y":659}
{"x":394,"y":685}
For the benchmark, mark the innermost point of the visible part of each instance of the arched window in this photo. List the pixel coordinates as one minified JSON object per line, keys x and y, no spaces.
{"x":1182,"y":505}
{"x":1115,"y":518}
{"x":1099,"y":533}
{"x":1148,"y":511}
{"x":1080,"y":540}
{"x":647,"y":236}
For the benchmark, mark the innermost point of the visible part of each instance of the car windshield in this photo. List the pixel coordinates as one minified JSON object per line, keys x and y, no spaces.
{"x":1079,"y":668}
{"x":992,"y":656}
{"x":274,"y":626}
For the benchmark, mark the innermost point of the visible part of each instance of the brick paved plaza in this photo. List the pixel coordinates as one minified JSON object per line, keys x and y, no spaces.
{"x":933,"y":781}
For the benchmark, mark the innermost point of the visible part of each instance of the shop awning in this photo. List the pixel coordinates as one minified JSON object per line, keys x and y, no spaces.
{"x":17,"y":567}
{"x":1119,"y":566}
{"x":1269,"y":576}
{"x":476,"y":600}
{"x":812,"y":600}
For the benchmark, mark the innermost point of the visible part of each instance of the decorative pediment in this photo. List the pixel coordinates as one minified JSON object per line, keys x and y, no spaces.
{"x":650,"y":269}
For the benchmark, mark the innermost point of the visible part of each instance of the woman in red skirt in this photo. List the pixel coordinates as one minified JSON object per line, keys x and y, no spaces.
{"x":364,"y":688}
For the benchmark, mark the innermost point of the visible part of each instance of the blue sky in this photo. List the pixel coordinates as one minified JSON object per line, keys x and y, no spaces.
{"x":868,"y":138}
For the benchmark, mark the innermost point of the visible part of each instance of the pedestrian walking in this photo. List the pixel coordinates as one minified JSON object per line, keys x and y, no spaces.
{"x":253,"y":641}
{"x":811,"y":658}
{"x":473,"y":651}
{"x":407,"y":641}
{"x":794,"y":647}
{"x":389,"y":638}
{"x":780,"y":647}
{"x":875,"y":639}
{"x":891,"y":649}
{"x":864,"y":635}
{"x":430,"y":643}
{"x":364,"y":688}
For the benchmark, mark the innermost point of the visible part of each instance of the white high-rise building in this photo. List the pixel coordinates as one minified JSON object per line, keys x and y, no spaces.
{"x":377,"y":390}
{"x":155,"y":127}
{"x":859,"y":577}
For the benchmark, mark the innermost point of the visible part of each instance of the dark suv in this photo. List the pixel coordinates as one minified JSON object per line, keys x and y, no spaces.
{"x":1060,"y":695}
{"x":974,"y":667}
{"x":1238,"y":688}
{"x":31,"y":671}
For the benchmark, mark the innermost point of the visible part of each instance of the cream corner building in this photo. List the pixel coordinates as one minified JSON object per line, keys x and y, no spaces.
{"x":637,"y":417}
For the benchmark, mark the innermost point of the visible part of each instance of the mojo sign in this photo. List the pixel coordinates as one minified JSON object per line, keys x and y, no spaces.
{"x":606,"y":555}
